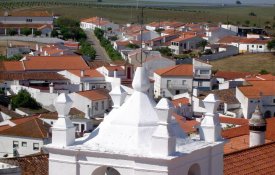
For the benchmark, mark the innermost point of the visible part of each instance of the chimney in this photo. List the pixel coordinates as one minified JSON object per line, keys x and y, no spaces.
{"x":257,"y":128}
{"x":210,"y":128}
{"x":88,"y":113}
{"x":118,"y":96}
{"x":115,"y":73}
{"x":51,"y":88}
{"x":82,"y":73}
{"x":163,"y":139}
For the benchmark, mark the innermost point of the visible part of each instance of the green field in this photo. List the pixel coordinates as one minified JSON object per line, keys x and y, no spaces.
{"x":129,"y":14}
{"x":247,"y":63}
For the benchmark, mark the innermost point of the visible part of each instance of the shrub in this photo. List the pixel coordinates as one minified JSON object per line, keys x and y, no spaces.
{"x":263,"y":72}
{"x":24,"y":99}
{"x":26,"y":31}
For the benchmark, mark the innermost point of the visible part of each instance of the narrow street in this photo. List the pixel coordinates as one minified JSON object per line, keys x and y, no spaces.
{"x":101,"y":54}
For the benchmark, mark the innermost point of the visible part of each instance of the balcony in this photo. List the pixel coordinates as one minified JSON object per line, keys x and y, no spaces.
{"x":201,"y":76}
{"x":177,"y":86}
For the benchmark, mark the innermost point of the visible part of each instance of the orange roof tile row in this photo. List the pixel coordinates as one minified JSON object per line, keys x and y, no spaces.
{"x":183,"y":101}
{"x":258,"y":160}
{"x":95,"y":95}
{"x":188,"y":126}
{"x":34,"y":128}
{"x":232,"y":75}
{"x":178,"y":70}
{"x":92,"y":73}
{"x":258,"y":88}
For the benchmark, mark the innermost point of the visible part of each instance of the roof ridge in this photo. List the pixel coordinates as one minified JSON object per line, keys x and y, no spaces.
{"x":38,"y":125}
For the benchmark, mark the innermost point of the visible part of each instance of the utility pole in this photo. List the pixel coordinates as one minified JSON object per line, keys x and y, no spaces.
{"x":141,"y":35}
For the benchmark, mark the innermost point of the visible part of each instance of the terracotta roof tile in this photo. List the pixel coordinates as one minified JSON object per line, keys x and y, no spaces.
{"x":258,"y":160}
{"x":97,"y":94}
{"x":37,"y":164}
{"x":232,"y":75}
{"x":265,"y":88}
{"x":226,"y":95}
{"x":34,"y":128}
{"x":55,"y":63}
{"x":235,"y":121}
{"x":178,"y":70}
{"x":183,"y":101}
{"x":235,"y":132}
{"x":87,"y":73}
{"x":189,"y":126}
{"x":114,"y":68}
{"x":11,"y":66}
{"x":31,"y":76}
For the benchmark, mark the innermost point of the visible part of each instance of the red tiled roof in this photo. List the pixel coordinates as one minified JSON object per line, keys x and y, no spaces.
{"x":178,"y":70}
{"x":4,"y":127}
{"x":114,"y":68}
{"x":96,"y":20}
{"x":87,"y":73}
{"x":235,"y":132}
{"x":232,"y":75}
{"x":183,"y":38}
{"x":258,"y":160}
{"x":97,"y":94}
{"x":265,"y":88}
{"x":34,"y":128}
{"x":11,"y":66}
{"x":235,"y":121}
{"x":55,"y":63}
{"x":189,"y":126}
{"x":31,"y":76}
{"x":183,"y":101}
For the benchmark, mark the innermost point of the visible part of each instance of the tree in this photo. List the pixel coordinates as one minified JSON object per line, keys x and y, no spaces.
{"x":203,"y":43}
{"x":271,"y":44}
{"x":133,"y":46}
{"x":238,"y":2}
{"x":54,"y":33}
{"x":263,"y":72}
{"x":37,"y":33}
{"x":24,"y":99}
{"x":87,"y":50}
{"x":247,"y":22}
{"x":26,"y":31}
{"x":166,"y":51}
{"x":252,"y":14}
{"x":12,"y":32}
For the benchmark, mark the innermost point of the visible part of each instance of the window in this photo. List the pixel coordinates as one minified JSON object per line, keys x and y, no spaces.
{"x":96,"y":106}
{"x":252,"y":46}
{"x":15,"y":144}
{"x":35,"y":146}
{"x":273,"y":100}
{"x":260,"y":46}
{"x":200,"y":84}
{"x":28,"y":20}
{"x":183,"y":82}
{"x":76,"y":126}
{"x":204,"y":72}
{"x":24,"y":144}
{"x":102,"y":105}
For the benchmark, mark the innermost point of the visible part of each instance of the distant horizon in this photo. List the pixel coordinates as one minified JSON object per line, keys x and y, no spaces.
{"x":249,"y":2}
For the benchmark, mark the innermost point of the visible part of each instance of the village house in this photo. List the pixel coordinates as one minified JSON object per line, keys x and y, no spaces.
{"x":97,"y":22}
{"x":173,"y":80}
{"x":214,"y":34}
{"x":185,"y":43}
{"x":261,"y":92}
{"x":34,"y":20}
{"x":25,"y":138}
{"x":252,"y":45}
{"x":94,"y":103}
{"x":243,"y":31}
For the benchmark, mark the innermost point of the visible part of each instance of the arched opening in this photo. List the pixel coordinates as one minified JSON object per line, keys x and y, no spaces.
{"x":104,"y":170}
{"x":267,"y":114}
{"x":194,"y":170}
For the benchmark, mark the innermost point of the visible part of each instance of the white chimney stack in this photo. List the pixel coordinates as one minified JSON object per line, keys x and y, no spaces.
{"x":63,"y":131}
{"x":257,"y":128}
{"x":210,"y":128}
{"x":82,"y":73}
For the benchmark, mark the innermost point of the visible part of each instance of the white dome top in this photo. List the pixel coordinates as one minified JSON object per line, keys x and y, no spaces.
{"x":257,"y":118}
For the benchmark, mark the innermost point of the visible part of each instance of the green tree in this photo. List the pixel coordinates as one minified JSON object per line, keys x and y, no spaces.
{"x":202,"y":44}
{"x":247,"y":22}
{"x":133,"y":46}
{"x":37,"y":33}
{"x":54,"y":33}
{"x":263,"y":72}
{"x":12,"y":32}
{"x":271,"y":44}
{"x":238,"y":2}
{"x":165,"y":51}
{"x":26,"y":31}
{"x":24,"y":99}
{"x":87,"y":50}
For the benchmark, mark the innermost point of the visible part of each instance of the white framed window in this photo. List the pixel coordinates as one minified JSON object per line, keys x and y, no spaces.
{"x":24,"y":144}
{"x":35,"y":146}
{"x":15,"y":144}
{"x":183,"y":82}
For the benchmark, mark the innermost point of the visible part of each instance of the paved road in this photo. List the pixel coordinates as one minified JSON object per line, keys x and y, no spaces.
{"x":101,"y":54}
